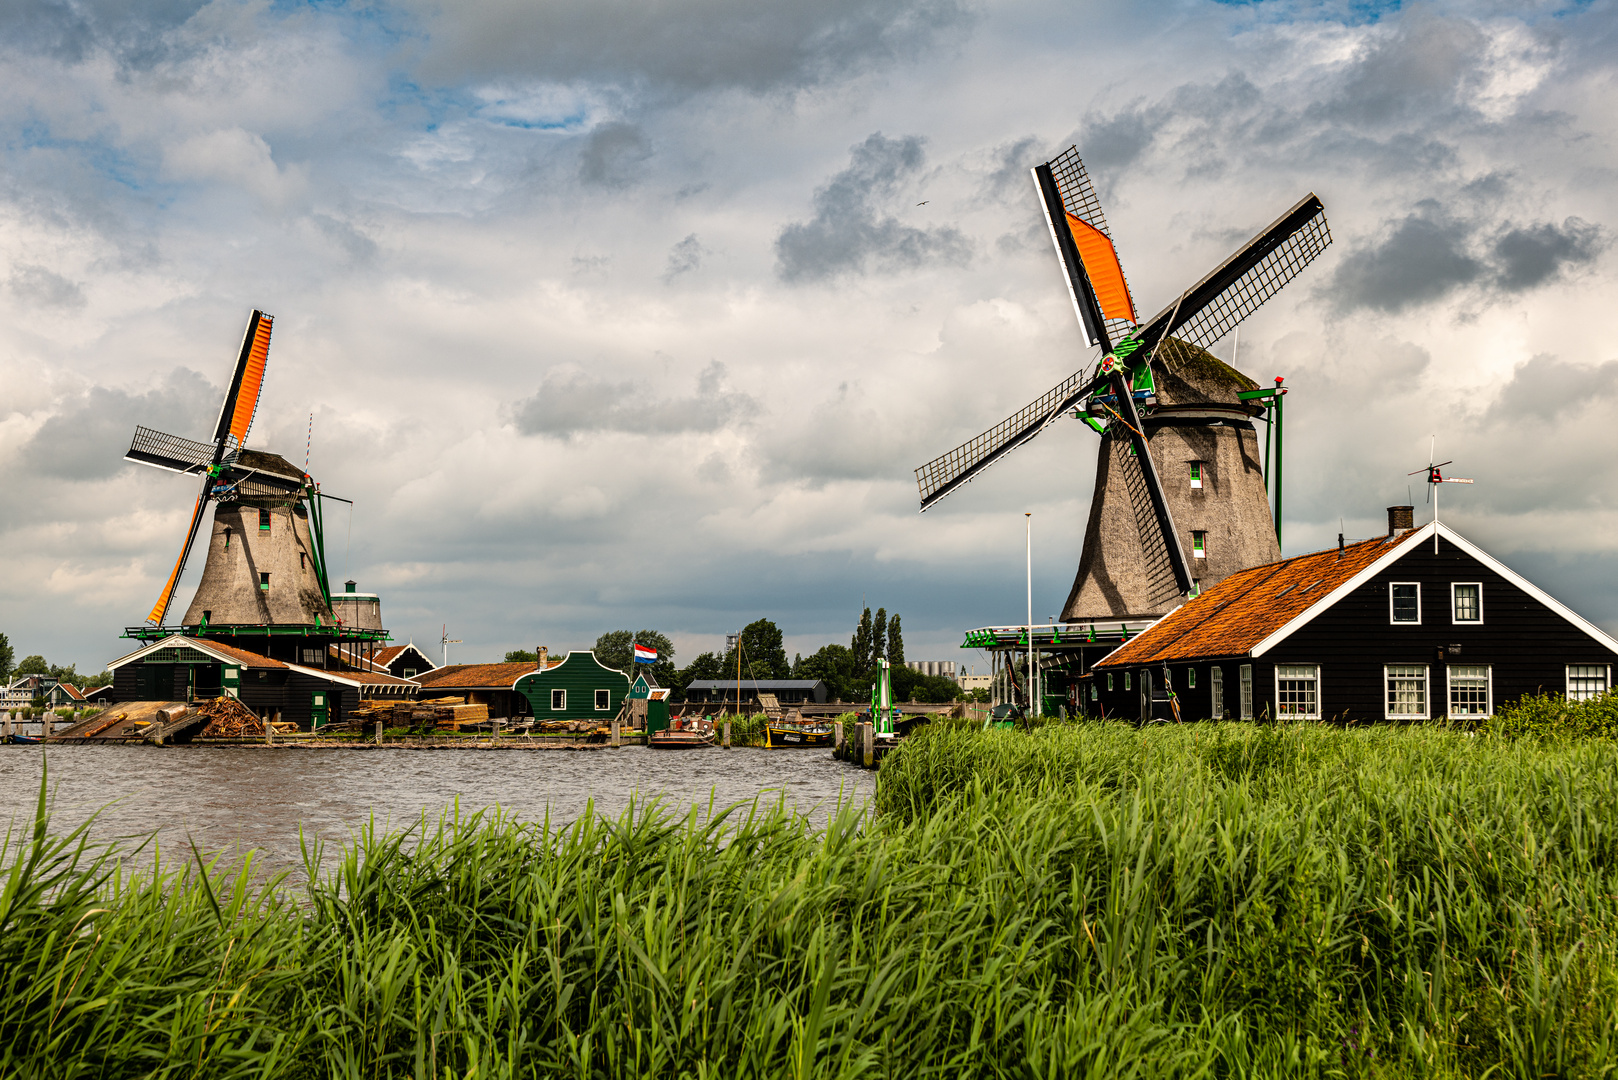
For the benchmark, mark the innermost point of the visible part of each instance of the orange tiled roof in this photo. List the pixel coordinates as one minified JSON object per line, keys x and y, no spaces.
{"x":386,"y":656}
{"x":474,"y":675}
{"x":250,"y":659}
{"x":1248,"y":606}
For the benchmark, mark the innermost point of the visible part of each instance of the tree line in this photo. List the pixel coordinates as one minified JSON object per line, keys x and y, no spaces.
{"x":848,"y":671}
{"x":37,"y":665}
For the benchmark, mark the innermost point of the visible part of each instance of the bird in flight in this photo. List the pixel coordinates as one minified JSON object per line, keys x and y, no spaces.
{"x":924,"y":202}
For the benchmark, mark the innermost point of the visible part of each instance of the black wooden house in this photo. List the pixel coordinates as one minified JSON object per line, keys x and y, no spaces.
{"x":185,"y":668}
{"x":1419,"y":624}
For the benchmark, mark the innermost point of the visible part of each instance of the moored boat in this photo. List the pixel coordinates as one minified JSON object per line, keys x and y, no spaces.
{"x":781,"y":733}
{"x":679,"y":740}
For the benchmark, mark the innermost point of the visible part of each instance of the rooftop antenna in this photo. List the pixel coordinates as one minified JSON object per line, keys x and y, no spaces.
{"x":447,"y":641}
{"x":1435,"y":477}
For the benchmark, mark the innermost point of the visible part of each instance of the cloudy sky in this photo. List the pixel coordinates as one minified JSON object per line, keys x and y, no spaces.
{"x":615,"y":314}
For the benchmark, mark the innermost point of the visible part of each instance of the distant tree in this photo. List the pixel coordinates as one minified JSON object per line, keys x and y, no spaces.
{"x":7,"y":655}
{"x":860,"y":644}
{"x":522,"y":656}
{"x":91,"y":682}
{"x":763,"y":656}
{"x":615,"y":649}
{"x":836,"y":667}
{"x":879,"y":636}
{"x":33,"y":665}
{"x":911,"y":685}
{"x":896,"y":643}
{"x":68,"y":674}
{"x":706,"y":666}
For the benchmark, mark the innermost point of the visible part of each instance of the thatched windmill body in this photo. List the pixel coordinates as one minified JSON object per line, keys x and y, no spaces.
{"x":266,"y":569}
{"x":1180,"y":499}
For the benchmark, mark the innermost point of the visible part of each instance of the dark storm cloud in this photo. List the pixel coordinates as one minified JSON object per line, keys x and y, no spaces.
{"x":850,"y":234}
{"x":572,"y":403}
{"x":612,"y":154}
{"x":757,"y":45}
{"x":1424,"y":258}
{"x":44,"y":288}
{"x":1430,"y":254}
{"x":1545,"y":388}
{"x":1530,"y":256}
{"x":73,"y":29}
{"x":86,"y":439}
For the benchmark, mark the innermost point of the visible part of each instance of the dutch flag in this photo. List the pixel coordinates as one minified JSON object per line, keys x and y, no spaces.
{"x":644,"y":655}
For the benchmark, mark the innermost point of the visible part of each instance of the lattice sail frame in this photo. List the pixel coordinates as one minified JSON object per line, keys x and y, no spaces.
{"x":172,"y":452}
{"x":1226,"y":310}
{"x":936,"y":478}
{"x":1079,"y":198}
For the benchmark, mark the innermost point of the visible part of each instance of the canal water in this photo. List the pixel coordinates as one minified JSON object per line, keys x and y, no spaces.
{"x":229,"y":800}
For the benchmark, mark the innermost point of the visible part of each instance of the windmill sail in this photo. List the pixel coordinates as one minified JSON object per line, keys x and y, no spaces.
{"x":1237,"y":287}
{"x":160,"y":610}
{"x":1082,"y":208}
{"x":241,"y":402}
{"x":169,"y":451}
{"x":944,"y":474}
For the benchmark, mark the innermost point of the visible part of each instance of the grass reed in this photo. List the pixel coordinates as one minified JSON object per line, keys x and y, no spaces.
{"x":1081,"y":900}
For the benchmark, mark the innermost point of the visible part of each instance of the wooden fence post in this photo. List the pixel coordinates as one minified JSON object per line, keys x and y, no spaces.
{"x":379,"y":733}
{"x":615,"y":740}
{"x":727,"y":734}
{"x":868,"y":737}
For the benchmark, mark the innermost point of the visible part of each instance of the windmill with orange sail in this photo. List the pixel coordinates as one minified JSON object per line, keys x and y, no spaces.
{"x":266,"y":563}
{"x":1163,"y":405}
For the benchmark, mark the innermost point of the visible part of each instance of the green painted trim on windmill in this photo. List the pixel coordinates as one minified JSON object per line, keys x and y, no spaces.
{"x":1254,"y":395}
{"x":1125,"y":347}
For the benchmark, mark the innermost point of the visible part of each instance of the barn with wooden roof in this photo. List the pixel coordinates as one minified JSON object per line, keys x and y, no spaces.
{"x":1418,"y":624}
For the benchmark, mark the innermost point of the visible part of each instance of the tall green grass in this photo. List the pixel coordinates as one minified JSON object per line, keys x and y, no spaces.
{"x":1083,"y":900}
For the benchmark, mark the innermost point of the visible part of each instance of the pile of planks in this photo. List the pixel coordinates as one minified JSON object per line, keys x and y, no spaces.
{"x":592,"y":727}
{"x":419,"y":715}
{"x":230,"y":719}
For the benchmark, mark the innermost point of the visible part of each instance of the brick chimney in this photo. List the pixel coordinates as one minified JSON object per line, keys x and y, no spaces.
{"x":1401,"y":519}
{"x":544,"y":657}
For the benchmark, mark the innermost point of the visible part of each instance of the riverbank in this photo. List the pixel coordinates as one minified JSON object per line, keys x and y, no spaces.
{"x":1079,"y":900}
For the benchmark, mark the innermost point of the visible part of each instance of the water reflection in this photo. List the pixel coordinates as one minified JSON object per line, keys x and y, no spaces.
{"x":231,"y":799}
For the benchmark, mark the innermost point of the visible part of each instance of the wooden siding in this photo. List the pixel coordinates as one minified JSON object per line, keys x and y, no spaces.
{"x":581,"y":675}
{"x":1526,"y":644}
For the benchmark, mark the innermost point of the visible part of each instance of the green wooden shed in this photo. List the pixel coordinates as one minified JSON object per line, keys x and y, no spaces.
{"x":579,"y":688}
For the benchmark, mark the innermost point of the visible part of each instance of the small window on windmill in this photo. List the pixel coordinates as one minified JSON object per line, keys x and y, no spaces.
{"x":227,"y":537}
{"x":264,"y":582}
{"x":1199,"y":545}
{"x":263,"y":521}
{"x":1196,"y":474}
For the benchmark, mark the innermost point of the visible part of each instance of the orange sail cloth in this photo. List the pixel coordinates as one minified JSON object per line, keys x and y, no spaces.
{"x":252,"y":380}
{"x":160,"y":610}
{"x":1101,"y":264}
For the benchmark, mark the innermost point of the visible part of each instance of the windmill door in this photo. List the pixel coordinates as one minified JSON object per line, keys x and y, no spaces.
{"x":318,"y":710}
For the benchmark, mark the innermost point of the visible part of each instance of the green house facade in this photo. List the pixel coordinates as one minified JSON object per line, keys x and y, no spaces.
{"x":579,"y":688}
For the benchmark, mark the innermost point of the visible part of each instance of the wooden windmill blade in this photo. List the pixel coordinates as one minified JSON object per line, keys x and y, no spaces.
{"x":160,"y":610}
{"x":947,"y":472}
{"x":241,"y":400}
{"x":170,"y":452}
{"x":1237,"y":287}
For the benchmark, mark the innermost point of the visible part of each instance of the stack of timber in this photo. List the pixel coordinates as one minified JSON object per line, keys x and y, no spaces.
{"x":418,"y":715}
{"x":230,"y":719}
{"x":587,"y":727}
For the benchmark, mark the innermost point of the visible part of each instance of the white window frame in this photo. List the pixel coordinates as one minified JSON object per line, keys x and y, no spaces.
{"x":555,"y":707}
{"x":1426,"y":693}
{"x":1478,"y":585}
{"x":1276,"y":676}
{"x":1567,"y":676}
{"x":1400,"y":622}
{"x":1190,"y":678}
{"x":1127,"y":685}
{"x":1216,"y":690}
{"x":1449,"y":691}
{"x":1109,"y":682}
{"x":603,"y":700}
{"x":1244,"y":693}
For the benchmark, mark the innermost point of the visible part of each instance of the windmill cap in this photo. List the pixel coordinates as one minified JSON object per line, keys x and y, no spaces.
{"x":1188,"y":375}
